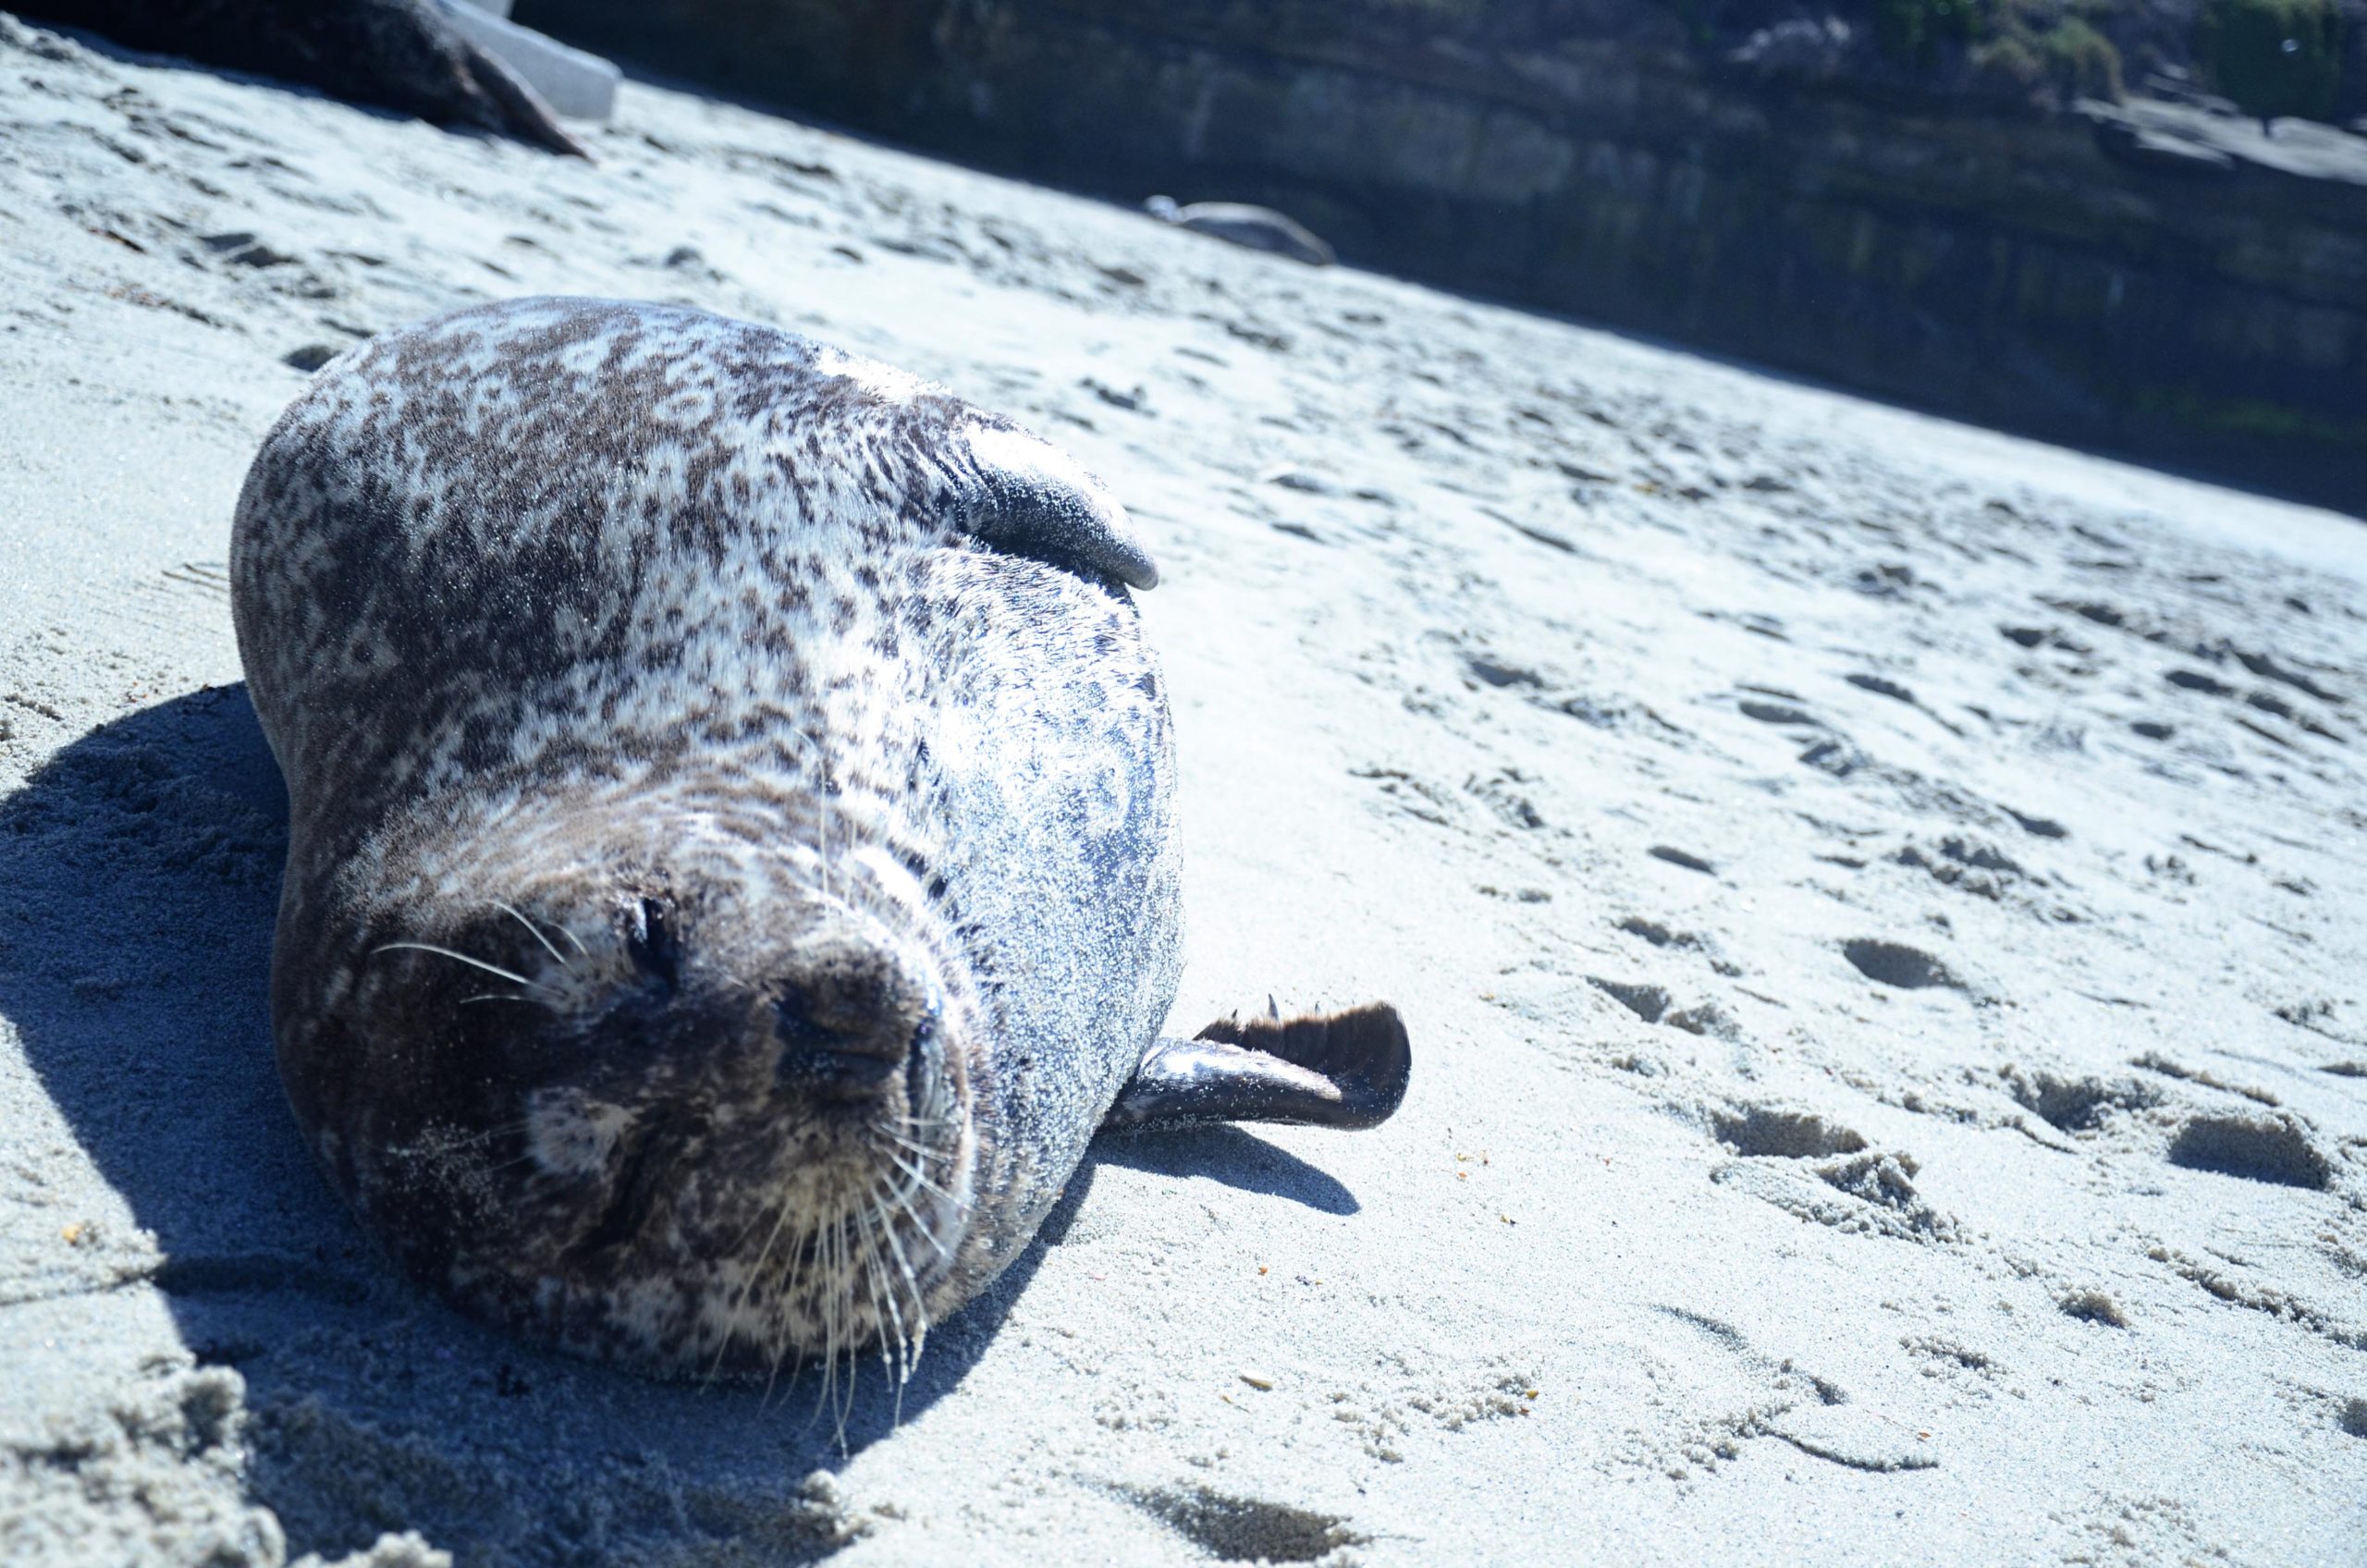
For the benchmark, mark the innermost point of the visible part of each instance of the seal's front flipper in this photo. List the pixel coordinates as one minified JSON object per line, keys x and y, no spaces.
{"x":1325,"y":1070}
{"x":1023,"y":495}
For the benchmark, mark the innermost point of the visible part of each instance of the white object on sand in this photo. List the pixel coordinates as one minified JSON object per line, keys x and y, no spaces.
{"x":578,"y":85}
{"x":1258,"y":228}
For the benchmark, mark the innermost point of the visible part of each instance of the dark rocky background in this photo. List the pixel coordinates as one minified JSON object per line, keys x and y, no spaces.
{"x":2068,"y":219}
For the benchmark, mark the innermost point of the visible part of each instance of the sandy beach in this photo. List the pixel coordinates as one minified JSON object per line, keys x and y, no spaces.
{"x":1877,"y":904}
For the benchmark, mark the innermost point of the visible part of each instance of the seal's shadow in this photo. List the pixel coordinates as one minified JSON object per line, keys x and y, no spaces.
{"x":1224,"y":1154}
{"x":140,"y":869}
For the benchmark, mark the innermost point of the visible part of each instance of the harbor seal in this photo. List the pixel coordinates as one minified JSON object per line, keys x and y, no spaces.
{"x":732,"y":867}
{"x":1256,"y":228}
{"x":400,"y":54}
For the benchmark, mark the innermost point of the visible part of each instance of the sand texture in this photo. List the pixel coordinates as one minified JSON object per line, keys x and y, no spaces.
{"x":1877,"y":904}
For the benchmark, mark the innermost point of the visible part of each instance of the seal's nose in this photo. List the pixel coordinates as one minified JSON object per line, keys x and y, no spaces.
{"x":846,"y":1015}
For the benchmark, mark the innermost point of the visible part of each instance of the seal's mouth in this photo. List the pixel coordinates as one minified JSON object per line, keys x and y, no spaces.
{"x":844,"y":1245}
{"x":634,"y":1193}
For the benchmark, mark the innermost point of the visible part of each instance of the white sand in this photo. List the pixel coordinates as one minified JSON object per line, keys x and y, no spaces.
{"x":1477,"y":626}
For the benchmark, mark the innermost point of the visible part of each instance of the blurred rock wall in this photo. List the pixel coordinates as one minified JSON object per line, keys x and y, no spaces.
{"x":2165,"y":282}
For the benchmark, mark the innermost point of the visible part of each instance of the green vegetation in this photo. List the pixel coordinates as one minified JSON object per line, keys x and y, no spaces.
{"x":2018,"y":46}
{"x":1912,"y":30}
{"x":2069,"y":57}
{"x":2273,"y":56}
{"x":2249,"y":416}
{"x":2010,"y":61}
{"x":2082,"y":61}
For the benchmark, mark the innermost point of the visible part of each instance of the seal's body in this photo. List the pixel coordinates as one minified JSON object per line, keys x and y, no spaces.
{"x":401,"y":54}
{"x":733,"y":868}
{"x":1256,"y":228}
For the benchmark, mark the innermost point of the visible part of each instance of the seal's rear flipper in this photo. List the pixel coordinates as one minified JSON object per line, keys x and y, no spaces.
{"x":1326,"y":1069}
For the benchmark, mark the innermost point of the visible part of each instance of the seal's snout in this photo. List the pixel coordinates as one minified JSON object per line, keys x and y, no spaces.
{"x":849,"y":1014}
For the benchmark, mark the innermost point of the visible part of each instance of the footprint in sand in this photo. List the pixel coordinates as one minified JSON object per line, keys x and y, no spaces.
{"x":1244,"y":1529}
{"x":2275,"y":1148}
{"x":2076,"y":1105}
{"x":1899,"y":966}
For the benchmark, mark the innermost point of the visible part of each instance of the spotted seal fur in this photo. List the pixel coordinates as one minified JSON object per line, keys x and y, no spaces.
{"x":732,"y":867}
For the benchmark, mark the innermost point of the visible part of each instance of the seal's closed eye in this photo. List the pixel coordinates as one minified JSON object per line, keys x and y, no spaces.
{"x":650,"y":941}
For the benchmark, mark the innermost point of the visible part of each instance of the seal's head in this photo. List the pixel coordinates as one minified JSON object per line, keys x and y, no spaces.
{"x":674,"y":1095}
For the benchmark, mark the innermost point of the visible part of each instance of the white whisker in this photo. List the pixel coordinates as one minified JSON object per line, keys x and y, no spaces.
{"x":850,"y":1267}
{"x":723,"y":1344}
{"x":908,"y":1145}
{"x":917,"y":1341}
{"x":536,"y":931}
{"x":488,"y":1134}
{"x":825,"y":1258}
{"x":922,"y":1181}
{"x":798,"y":1258}
{"x":883,"y":1303}
{"x":460,"y":958}
{"x":841,"y":1332}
